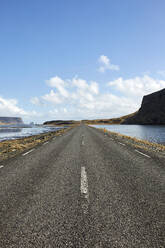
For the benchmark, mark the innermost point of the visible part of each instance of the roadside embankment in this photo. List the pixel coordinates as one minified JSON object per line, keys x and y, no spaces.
{"x":136,"y":143}
{"x":10,"y":148}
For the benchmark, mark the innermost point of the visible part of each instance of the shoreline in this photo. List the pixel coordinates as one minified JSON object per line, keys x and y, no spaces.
{"x":136,"y":143}
{"x":11,"y":148}
{"x":117,"y":131}
{"x":28,"y":135}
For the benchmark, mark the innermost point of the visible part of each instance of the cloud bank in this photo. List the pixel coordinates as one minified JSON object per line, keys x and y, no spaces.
{"x":77,"y":98}
{"x":105,"y":64}
{"x":138,"y":86}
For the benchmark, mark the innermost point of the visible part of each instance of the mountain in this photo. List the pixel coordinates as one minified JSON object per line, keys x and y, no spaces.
{"x":10,"y":120}
{"x":151,"y":112}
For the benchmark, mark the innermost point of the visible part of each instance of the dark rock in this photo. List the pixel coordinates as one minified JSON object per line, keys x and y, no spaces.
{"x":151,"y":112}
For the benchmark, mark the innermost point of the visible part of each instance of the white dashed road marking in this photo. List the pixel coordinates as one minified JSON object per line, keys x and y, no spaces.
{"x":84,"y":182}
{"x":45,"y":143}
{"x":121,"y":144}
{"x":143,"y":154}
{"x":27,"y":152}
{"x":84,"y":190}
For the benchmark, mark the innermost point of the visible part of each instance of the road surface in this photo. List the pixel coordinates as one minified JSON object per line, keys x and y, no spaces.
{"x":82,"y":189}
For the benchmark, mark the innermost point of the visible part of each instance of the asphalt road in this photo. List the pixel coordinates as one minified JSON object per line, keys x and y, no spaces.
{"x":82,"y":189}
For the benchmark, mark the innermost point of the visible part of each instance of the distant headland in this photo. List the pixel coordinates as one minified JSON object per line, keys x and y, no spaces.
{"x":151,"y":112}
{"x":10,"y":120}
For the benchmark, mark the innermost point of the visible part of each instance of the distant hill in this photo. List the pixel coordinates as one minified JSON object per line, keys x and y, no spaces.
{"x":61,"y":122}
{"x":10,"y":120}
{"x":111,"y":121}
{"x":151,"y":112}
{"x":88,"y":122}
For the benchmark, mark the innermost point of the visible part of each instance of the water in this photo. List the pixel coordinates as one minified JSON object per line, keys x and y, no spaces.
{"x":8,"y":132}
{"x":155,"y":134}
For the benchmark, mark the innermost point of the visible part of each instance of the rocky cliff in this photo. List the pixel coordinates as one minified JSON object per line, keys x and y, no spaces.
{"x":152,"y":110}
{"x":10,"y":120}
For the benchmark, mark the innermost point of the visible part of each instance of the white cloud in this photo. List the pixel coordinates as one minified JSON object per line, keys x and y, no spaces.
{"x":105,"y":64}
{"x":108,"y":105}
{"x":83,"y":89}
{"x":79,"y":83}
{"x":137,"y":87}
{"x":8,"y":107}
{"x":54,"y":111}
{"x":52,"y":97}
{"x":35,"y":101}
{"x":59,"y":84}
{"x":77,"y":90}
{"x":85,"y":101}
{"x":94,"y":88}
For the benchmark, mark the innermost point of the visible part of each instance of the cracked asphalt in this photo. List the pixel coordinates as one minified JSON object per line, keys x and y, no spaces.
{"x":41,"y":204}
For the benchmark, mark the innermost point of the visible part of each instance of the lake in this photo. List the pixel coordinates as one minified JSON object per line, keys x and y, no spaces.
{"x":152,"y":133}
{"x":18,"y":131}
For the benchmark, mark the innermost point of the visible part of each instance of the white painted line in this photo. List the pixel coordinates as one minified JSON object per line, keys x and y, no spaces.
{"x":1,"y":166}
{"x":84,"y":191}
{"x":45,"y":143}
{"x":121,"y":144}
{"x":27,"y":152}
{"x":143,"y":154}
{"x":84,"y":183}
{"x":83,"y":142}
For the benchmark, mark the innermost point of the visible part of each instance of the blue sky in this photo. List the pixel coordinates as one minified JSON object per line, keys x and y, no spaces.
{"x":79,"y":59}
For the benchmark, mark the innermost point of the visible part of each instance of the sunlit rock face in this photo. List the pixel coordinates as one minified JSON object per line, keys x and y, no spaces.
{"x":11,"y":120}
{"x":152,"y":110}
